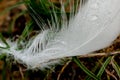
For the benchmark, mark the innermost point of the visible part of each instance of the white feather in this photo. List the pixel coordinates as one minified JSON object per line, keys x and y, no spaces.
{"x":94,"y":27}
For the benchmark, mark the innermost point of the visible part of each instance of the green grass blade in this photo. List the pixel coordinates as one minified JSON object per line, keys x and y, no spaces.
{"x":95,"y":68}
{"x":26,"y":31}
{"x":4,"y":41}
{"x":102,"y":69}
{"x":2,"y":56}
{"x":116,"y":67}
{"x":9,"y":8}
{"x":77,"y":61}
{"x":14,"y":19}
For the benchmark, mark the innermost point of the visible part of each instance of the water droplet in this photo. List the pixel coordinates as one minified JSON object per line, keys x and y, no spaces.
{"x":93,"y":18}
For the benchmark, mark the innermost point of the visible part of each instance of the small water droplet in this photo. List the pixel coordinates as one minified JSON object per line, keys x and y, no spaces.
{"x":93,"y":18}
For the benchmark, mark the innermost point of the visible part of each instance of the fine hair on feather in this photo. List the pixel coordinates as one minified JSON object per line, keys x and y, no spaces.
{"x":94,"y":26}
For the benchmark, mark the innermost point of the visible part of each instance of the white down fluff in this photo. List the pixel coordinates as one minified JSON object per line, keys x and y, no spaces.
{"x":94,"y":27}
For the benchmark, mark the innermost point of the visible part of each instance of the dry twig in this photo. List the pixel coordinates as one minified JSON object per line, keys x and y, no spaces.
{"x":99,"y":54}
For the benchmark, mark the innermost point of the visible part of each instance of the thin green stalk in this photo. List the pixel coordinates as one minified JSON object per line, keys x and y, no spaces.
{"x":26,"y":31}
{"x":13,"y":22}
{"x":95,"y":68}
{"x":9,"y":8}
{"x":115,"y":66}
{"x":4,"y":69}
{"x":77,"y":61}
{"x":4,"y":41}
{"x":104,"y":65}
